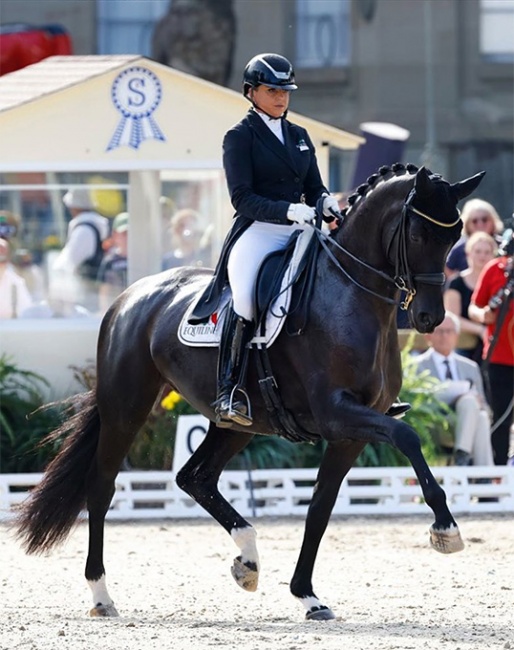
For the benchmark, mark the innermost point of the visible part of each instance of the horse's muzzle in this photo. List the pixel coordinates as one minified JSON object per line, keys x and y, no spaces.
{"x":425,"y":322}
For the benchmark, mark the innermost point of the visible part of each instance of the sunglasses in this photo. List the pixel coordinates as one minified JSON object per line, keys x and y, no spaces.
{"x":6,"y":230}
{"x":480,"y":220}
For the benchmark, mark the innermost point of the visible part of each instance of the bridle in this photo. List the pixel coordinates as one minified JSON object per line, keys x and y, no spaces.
{"x":403,"y":278}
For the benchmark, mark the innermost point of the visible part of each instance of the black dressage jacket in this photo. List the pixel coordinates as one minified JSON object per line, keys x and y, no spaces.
{"x":264,"y":177}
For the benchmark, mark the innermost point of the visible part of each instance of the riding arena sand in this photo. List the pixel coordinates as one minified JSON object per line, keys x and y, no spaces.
{"x":171,"y":583}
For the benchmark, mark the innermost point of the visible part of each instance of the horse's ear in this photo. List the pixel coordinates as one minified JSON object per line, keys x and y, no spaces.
{"x":467,"y":186}
{"x":422,"y":183}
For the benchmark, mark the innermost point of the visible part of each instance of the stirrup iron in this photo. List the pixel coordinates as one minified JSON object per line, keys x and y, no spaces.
{"x":239,"y":394}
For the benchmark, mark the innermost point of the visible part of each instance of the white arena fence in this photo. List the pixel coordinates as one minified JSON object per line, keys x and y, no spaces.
{"x":287,"y":492}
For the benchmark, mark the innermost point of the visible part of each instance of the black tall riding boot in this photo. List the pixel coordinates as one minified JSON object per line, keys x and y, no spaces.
{"x":232,"y":403}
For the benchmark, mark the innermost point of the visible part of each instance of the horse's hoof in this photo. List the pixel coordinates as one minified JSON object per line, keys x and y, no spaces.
{"x":246,"y":574}
{"x":104,"y":611}
{"x":320,"y":614}
{"x":446,"y":540}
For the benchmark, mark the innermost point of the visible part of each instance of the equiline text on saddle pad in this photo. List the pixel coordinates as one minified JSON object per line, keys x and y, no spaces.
{"x":209,"y":334}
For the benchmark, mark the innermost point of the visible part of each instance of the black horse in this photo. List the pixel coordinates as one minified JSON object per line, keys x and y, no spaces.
{"x":337,"y":379}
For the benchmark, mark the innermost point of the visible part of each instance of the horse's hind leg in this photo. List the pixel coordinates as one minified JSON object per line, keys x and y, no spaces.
{"x":336,"y":462}
{"x":199,"y":478}
{"x":124,"y":406}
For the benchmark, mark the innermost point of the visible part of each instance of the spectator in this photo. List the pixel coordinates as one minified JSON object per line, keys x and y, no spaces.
{"x":480,"y":248}
{"x":477,"y":215}
{"x":14,"y":295}
{"x":9,"y":228}
{"x":30,"y":272}
{"x":112,"y":274}
{"x":187,"y":233}
{"x":462,"y":389}
{"x":492,"y":305}
{"x":76,"y":267}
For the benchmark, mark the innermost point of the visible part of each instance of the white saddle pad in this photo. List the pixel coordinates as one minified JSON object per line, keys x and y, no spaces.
{"x":209,"y":334}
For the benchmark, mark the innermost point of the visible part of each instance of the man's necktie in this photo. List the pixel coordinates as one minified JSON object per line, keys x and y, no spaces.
{"x":448,"y":374}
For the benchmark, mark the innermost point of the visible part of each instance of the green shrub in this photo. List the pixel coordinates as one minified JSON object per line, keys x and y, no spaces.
{"x":23,"y":421}
{"x":427,"y":415}
{"x":155,"y":441}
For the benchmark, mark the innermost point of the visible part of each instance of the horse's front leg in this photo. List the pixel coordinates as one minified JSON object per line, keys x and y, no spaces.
{"x":362,"y":422}
{"x":444,"y":533}
{"x":335,"y":464}
{"x":199,"y":478}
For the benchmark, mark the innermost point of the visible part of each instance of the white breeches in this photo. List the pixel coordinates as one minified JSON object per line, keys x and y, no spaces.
{"x":246,"y":256}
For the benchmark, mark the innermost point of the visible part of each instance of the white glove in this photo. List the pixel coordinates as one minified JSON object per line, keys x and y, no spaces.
{"x":301,"y":213}
{"x":330,"y":203}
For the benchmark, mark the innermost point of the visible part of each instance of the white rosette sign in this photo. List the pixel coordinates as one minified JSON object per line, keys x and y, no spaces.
{"x":136,"y":93}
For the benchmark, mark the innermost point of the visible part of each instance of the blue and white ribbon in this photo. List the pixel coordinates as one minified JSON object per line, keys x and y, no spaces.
{"x":136,"y":93}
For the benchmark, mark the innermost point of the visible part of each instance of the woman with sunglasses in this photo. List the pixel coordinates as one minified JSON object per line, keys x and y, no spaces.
{"x":480,"y":248}
{"x":477,"y":216}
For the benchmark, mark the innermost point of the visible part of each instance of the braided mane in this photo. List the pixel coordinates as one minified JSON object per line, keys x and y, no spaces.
{"x":384,"y":174}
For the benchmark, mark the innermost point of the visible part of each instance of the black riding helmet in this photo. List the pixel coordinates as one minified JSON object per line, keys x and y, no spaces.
{"x":272,"y":70}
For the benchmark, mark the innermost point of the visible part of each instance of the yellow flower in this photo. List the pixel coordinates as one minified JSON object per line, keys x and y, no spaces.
{"x":171,"y":400}
{"x":52,"y":242}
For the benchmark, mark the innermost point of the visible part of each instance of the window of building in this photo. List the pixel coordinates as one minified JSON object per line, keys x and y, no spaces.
{"x":497,"y":30}
{"x":322,"y":34}
{"x":127,"y":27}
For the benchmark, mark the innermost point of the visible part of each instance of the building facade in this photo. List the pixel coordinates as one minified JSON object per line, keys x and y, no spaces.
{"x":443,"y":69}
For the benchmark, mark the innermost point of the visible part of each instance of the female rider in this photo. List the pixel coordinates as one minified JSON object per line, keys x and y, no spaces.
{"x":273,"y":180}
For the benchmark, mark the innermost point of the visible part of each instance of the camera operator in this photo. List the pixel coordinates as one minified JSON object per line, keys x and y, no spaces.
{"x":492,"y":305}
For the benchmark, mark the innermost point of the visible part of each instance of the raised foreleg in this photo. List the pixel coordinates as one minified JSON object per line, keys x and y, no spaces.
{"x":199,"y":478}
{"x":361,"y":422}
{"x":336,"y":462}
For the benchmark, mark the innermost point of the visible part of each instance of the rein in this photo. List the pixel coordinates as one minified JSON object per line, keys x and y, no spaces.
{"x":403,"y":278}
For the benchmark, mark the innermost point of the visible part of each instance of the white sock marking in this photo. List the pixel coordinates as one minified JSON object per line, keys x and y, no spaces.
{"x":99,"y":590}
{"x":245,"y":540}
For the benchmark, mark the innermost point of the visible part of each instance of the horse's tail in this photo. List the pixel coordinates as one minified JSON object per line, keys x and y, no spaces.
{"x":48,"y":514}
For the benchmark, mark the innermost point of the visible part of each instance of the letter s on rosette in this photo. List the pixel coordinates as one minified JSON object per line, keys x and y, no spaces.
{"x":136,"y":93}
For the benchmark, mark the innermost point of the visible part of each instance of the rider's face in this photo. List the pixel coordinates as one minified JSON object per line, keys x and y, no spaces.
{"x":273,"y":101}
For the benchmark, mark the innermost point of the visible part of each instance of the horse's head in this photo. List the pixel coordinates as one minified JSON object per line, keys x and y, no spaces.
{"x":430,"y":224}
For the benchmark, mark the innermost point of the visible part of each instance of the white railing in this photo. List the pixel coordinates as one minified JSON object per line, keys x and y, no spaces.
{"x":269,"y":492}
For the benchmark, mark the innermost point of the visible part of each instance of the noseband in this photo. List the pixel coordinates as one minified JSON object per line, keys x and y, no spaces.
{"x":403,"y":278}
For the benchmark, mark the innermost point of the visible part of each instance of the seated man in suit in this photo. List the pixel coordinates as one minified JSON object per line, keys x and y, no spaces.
{"x":463,"y":390}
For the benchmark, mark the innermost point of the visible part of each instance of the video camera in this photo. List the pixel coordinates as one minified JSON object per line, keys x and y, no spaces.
{"x":506,"y":246}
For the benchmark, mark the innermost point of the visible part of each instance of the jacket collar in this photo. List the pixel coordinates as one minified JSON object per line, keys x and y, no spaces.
{"x":284,"y":151}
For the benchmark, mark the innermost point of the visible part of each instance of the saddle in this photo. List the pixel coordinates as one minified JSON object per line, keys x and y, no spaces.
{"x":278,"y":273}
{"x":294,"y":265}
